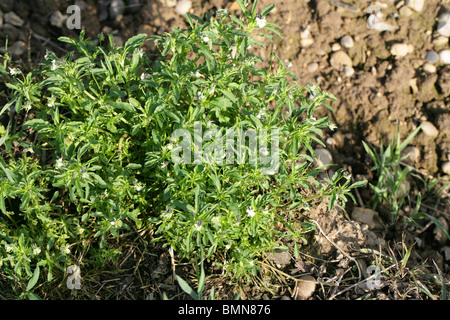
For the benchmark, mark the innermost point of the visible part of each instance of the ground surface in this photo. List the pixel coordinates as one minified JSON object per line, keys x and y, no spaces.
{"x":383,"y":92}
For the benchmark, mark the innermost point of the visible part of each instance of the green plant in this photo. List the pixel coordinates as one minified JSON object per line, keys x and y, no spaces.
{"x":97,"y":139}
{"x":392,"y":181}
{"x":391,"y":187}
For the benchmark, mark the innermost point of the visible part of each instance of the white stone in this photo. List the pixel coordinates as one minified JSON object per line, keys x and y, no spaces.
{"x":171,"y":3}
{"x":430,"y":68}
{"x":401,"y":49}
{"x":443,"y":27}
{"x":116,"y":8}
{"x":349,"y":71}
{"x":429,"y":129}
{"x":444,"y":55}
{"x":416,"y":5}
{"x":183,"y":7}
{"x":57,"y":19}
{"x":307,"y":42}
{"x":446,"y":167}
{"x":336,"y":47}
{"x":347,"y":41}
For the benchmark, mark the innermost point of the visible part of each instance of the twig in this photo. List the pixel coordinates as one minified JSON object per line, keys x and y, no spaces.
{"x":359,"y":283}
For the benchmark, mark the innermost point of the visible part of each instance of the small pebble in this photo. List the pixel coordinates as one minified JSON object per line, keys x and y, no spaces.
{"x":446,"y":168}
{"x":324,"y":157}
{"x":336,"y":47}
{"x":405,"y":11}
{"x":307,"y":42}
{"x":183,"y":7}
{"x":444,"y":55}
{"x":401,"y":49}
{"x":312,"y":67}
{"x":347,"y":41}
{"x":349,"y":71}
{"x":416,"y":5}
{"x":13,"y":19}
{"x":432,"y":56}
{"x":171,"y":3}
{"x":414,"y":153}
{"x":443,"y":27}
{"x":429,"y":129}
{"x":430,"y":68}
{"x":340,"y":59}
{"x":57,"y":19}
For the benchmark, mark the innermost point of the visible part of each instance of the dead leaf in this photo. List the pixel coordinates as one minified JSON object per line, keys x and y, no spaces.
{"x":304,"y":288}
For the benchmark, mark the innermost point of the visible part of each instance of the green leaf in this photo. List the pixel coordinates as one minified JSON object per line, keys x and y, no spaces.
{"x":266,"y":11}
{"x":186,"y":288}
{"x":34,"y":279}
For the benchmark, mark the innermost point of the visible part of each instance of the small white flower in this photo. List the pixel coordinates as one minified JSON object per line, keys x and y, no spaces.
{"x":65,"y":249}
{"x":145,"y":76}
{"x":8,"y":248}
{"x":80,"y":230}
{"x":36,"y":250}
{"x":261,"y":115}
{"x":59,"y":163}
{"x":27,"y":106}
{"x":170,"y":146}
{"x":116,"y":223}
{"x":198,"y":74}
{"x":137,"y":186}
{"x":200,"y":95}
{"x":140,"y":52}
{"x":14,"y":71}
{"x":164,"y":164}
{"x":250,"y":212}
{"x":261,"y":22}
{"x":51,"y":102}
{"x":221,"y":11}
{"x":264,"y":151}
{"x":205,"y":39}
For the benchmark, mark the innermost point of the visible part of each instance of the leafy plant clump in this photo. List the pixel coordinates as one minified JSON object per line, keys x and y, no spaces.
{"x":93,"y":158}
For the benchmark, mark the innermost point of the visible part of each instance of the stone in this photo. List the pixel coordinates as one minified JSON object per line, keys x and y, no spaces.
{"x":183,"y":7}
{"x":446,"y":167}
{"x":307,"y":42}
{"x":347,"y":41}
{"x":324,"y":157}
{"x":349,"y":71}
{"x":13,"y":19}
{"x":339,"y":59}
{"x":312,"y":67}
{"x":429,"y":129}
{"x":6,"y":5}
{"x":171,"y":3}
{"x":18,"y":48}
{"x":57,"y":19}
{"x":416,"y":5}
{"x":414,"y":153}
{"x":364,"y":215}
{"x":405,"y":11}
{"x":443,"y":27}
{"x":304,"y":287}
{"x":430,"y":68}
{"x":1,"y":18}
{"x":444,"y":55}
{"x":336,"y":47}
{"x":400,"y":50}
{"x":432,"y":56}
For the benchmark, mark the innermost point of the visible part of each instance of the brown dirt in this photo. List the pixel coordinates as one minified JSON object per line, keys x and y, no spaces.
{"x":383,"y":92}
